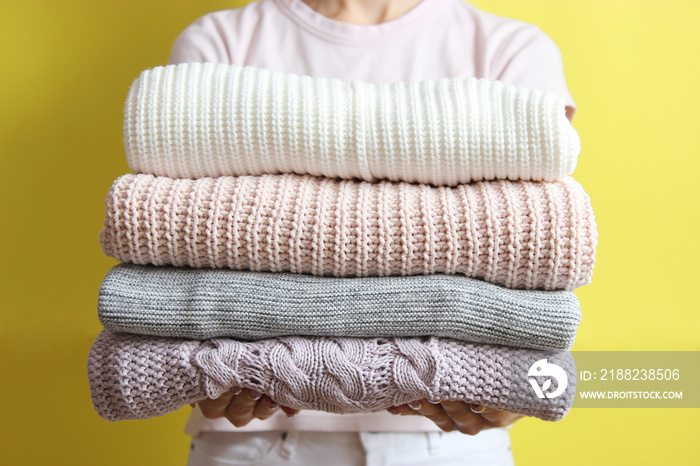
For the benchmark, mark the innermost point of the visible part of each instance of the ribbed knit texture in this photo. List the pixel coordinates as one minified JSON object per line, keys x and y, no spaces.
{"x":138,"y":377}
{"x":515,"y":234}
{"x":210,"y":303}
{"x":196,"y":120}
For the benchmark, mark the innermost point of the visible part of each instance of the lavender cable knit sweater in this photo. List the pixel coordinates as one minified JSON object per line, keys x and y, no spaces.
{"x":139,"y":377}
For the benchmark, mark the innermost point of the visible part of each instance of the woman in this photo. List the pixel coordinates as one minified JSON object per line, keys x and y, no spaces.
{"x":372,"y":41}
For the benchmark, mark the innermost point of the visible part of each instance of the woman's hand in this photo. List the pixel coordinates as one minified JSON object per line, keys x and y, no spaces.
{"x":242,"y":406}
{"x":449,"y":416}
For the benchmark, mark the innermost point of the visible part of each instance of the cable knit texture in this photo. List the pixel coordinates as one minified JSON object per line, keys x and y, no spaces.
{"x":138,"y":377}
{"x":209,"y":303}
{"x":197,"y":120}
{"x":515,"y":234}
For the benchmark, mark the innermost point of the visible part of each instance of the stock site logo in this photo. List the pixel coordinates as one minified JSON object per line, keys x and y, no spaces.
{"x":542,"y":368}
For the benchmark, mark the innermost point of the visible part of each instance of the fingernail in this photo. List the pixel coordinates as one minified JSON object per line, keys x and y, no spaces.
{"x":272,"y":404}
{"x":290,"y":412}
{"x":478,"y":409}
{"x":435,"y":402}
{"x":236,"y":390}
{"x":394,"y":410}
{"x":415,"y":405}
{"x":254,"y":395}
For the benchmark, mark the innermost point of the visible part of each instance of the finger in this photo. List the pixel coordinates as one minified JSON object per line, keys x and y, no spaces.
{"x":220,"y":403}
{"x":465,"y":420}
{"x":214,"y":409}
{"x":435,"y":413}
{"x":402,"y":410}
{"x":265,"y":408}
{"x":496,"y":418}
{"x":240,"y":411}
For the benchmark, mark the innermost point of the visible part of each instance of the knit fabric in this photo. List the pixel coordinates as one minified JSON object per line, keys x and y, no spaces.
{"x":138,"y":377}
{"x":209,"y":303}
{"x":515,"y":234}
{"x":197,"y":120}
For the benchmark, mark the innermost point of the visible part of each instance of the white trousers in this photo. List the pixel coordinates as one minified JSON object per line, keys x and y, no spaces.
{"x":490,"y":447}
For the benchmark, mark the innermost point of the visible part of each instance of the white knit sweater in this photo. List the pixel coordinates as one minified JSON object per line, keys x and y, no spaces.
{"x":200,"y":119}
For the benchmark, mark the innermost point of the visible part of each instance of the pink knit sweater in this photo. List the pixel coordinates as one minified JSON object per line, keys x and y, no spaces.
{"x":516,"y":234}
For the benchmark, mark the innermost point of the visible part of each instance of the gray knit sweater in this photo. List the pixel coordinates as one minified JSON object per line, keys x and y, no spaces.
{"x":212,"y":303}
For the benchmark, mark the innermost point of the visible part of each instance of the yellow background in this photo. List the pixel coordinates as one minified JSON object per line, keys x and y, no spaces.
{"x":632,"y":66}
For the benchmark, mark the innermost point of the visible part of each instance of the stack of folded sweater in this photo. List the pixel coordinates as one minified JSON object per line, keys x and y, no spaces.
{"x":339,"y":246}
